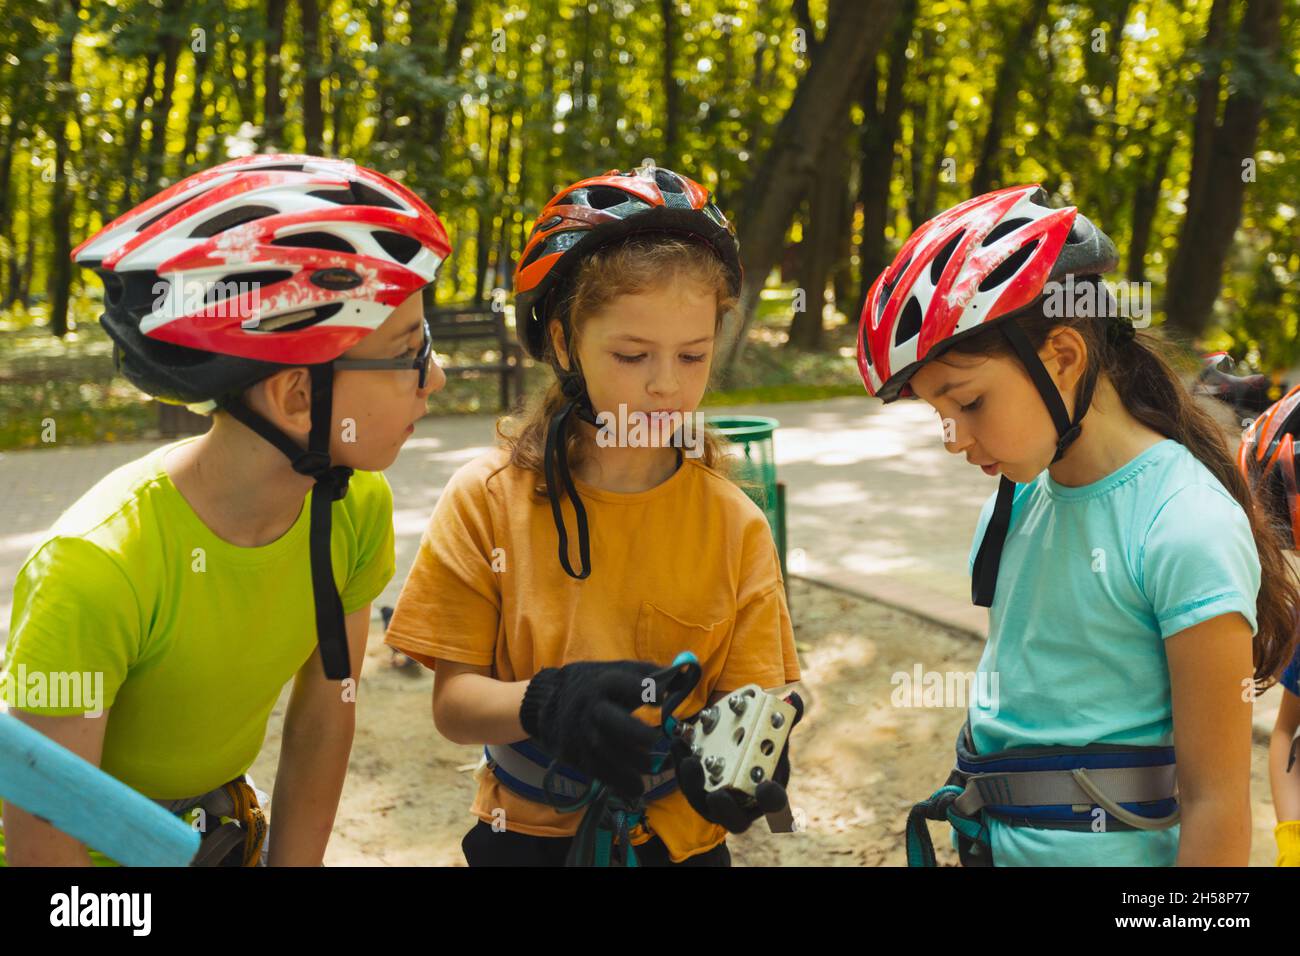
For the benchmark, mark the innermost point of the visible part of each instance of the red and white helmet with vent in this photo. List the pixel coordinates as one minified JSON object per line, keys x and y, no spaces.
{"x":282,"y":258}
{"x":980,"y":261}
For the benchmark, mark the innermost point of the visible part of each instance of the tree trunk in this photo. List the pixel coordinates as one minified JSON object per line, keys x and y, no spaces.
{"x":929,"y":203}
{"x":1196,"y":274}
{"x":853,"y":35}
{"x":61,"y":199}
{"x":340,"y":126}
{"x":313,"y":116}
{"x":14,"y":292}
{"x":879,"y":135}
{"x":383,"y":92}
{"x":826,"y":226}
{"x":460,"y":22}
{"x":1145,"y":200}
{"x":1206,"y":117}
{"x":131,"y":152}
{"x":170,"y":41}
{"x":10,"y":264}
{"x":1002,"y":106}
{"x":197,"y":110}
{"x":672,"y":94}
{"x":245,"y":87}
{"x":501,"y":255}
{"x":272,"y":108}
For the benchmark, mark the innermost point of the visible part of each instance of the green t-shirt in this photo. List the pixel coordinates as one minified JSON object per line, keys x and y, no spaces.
{"x":195,"y":637}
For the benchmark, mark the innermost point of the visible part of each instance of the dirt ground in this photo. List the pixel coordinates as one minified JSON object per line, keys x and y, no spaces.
{"x":859,"y":762}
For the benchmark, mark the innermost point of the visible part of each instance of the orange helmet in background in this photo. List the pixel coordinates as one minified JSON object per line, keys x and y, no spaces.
{"x":1267,"y":458}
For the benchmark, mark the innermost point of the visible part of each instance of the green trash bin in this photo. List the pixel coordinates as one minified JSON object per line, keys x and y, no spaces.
{"x":756,"y":468}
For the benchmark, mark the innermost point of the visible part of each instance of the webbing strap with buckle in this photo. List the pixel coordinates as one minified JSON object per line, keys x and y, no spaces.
{"x":1046,"y":787}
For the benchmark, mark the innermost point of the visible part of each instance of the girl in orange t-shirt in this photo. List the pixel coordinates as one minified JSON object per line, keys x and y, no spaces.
{"x":543,"y":649}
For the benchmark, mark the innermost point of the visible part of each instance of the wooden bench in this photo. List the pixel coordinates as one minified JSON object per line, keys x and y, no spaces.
{"x":457,"y":324}
{"x":175,"y":421}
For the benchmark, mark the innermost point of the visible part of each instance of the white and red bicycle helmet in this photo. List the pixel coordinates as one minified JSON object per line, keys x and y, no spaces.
{"x":973,"y":267}
{"x":1267,"y":457}
{"x":256,"y":265}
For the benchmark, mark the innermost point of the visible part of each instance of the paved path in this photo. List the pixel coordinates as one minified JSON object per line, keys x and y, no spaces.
{"x":875,"y":504}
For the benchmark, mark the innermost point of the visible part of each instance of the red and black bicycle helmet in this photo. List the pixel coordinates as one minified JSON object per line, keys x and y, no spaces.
{"x":972,"y":267}
{"x":256,"y":265}
{"x":578,"y":220}
{"x":1267,"y":457}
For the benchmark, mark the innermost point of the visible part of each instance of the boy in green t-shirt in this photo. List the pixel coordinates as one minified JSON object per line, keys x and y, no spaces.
{"x":155,"y":625}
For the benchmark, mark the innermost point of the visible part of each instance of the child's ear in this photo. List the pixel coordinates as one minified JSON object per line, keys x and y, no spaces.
{"x":556,"y":330}
{"x":284,"y":399}
{"x":1065,"y":355}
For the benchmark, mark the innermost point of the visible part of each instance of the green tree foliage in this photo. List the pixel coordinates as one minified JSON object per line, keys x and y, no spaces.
{"x":487,"y":108}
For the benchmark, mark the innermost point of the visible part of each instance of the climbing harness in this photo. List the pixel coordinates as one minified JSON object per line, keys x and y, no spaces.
{"x":603,"y":837}
{"x":232,"y":822}
{"x":1098,"y":788}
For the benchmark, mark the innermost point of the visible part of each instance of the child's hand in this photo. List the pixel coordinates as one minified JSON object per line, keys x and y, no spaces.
{"x":724,"y":807}
{"x":1287,"y":834}
{"x":581,"y":714}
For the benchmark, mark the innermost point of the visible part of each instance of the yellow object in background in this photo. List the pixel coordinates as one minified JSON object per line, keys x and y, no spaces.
{"x":1287,"y":834}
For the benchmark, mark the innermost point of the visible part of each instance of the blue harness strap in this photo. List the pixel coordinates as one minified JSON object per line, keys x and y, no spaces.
{"x":1047,"y":788}
{"x":526,"y":769}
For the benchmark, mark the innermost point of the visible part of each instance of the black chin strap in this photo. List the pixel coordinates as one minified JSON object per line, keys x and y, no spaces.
{"x":555,"y":463}
{"x":331,"y":485}
{"x":984,"y":578}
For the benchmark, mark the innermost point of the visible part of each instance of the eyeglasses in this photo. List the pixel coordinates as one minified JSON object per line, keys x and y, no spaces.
{"x":423,"y":358}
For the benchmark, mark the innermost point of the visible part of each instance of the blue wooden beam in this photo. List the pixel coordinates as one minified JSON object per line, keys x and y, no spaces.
{"x":51,"y":782}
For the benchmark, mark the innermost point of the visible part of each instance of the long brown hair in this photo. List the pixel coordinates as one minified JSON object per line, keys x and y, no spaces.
{"x":638,"y":264}
{"x":1142,"y":374}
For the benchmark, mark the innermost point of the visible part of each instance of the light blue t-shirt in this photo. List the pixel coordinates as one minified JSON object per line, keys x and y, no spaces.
{"x":1091,"y":582}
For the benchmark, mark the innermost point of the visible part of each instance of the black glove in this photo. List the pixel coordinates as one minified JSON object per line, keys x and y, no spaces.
{"x":581,"y":714}
{"x":724,"y":807}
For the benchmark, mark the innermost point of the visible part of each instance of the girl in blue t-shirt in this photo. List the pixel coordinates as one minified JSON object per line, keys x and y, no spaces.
{"x":1133,"y":588}
{"x":1268,"y":458}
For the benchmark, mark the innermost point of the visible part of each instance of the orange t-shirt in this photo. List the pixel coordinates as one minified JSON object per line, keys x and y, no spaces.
{"x":687,"y":565}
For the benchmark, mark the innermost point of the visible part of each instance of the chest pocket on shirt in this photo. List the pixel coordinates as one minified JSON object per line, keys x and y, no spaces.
{"x":660,"y":636}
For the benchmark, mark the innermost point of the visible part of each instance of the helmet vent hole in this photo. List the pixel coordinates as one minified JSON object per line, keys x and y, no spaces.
{"x":668,"y":182}
{"x":889,"y":288}
{"x":295,"y":321}
{"x":603,"y":197}
{"x":230,"y":219}
{"x":358,"y":194}
{"x":166,"y":209}
{"x":369,"y":196}
{"x":1009,"y":267}
{"x":909,"y":323}
{"x":235,"y":285}
{"x":277,"y":167}
{"x":402,"y":248}
{"x":314,"y":240}
{"x":941,"y":260}
{"x":539,"y":250}
{"x":1004,"y":229}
